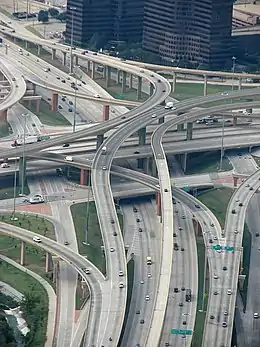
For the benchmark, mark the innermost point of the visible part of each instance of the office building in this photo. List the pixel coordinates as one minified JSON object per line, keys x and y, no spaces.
{"x":105,"y":20}
{"x":192,"y":32}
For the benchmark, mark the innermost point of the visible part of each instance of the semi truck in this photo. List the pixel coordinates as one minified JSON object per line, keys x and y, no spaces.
{"x":148,"y":260}
{"x":27,"y":140}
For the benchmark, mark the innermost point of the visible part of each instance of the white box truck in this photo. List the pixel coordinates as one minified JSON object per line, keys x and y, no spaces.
{"x":104,"y":150}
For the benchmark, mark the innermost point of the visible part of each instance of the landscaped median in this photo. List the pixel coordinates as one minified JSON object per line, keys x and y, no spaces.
{"x":88,"y":233}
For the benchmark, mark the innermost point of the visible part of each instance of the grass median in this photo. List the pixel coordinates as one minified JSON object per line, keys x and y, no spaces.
{"x":90,"y":242}
{"x":206,"y":162}
{"x":11,"y":247}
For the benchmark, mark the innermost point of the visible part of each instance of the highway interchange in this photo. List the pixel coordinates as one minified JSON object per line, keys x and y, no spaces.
{"x":104,"y":318}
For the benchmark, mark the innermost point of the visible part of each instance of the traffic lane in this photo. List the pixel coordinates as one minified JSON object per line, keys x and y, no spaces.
{"x":243,"y":162}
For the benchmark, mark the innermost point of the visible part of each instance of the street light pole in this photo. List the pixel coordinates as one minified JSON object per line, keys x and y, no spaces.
{"x":23,"y":173}
{"x":75,"y":105}
{"x":13,"y":218}
{"x":88,"y":205}
{"x":222,"y":144}
{"x":204,"y":281}
{"x":71,"y":36}
{"x":233,"y":71}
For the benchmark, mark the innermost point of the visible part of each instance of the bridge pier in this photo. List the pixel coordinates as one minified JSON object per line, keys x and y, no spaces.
{"x":100,"y":140}
{"x":180,"y":127}
{"x":84,"y":177}
{"x":130,"y":81}
{"x":142,"y":136}
{"x":93,"y":70}
{"x":183,"y":160}
{"x":159,"y":204}
{"x":88,"y":66}
{"x":189,"y":131}
{"x":64,"y":58}
{"x":123,"y":86}
{"x":241,"y":281}
{"x":105,"y":113}
{"x":22,"y":255}
{"x":161,"y":120}
{"x":39,"y":48}
{"x":234,"y":121}
{"x":140,"y":163}
{"x":235,"y":181}
{"x":154,"y":168}
{"x":151,"y":89}
{"x":54,"y":104}
{"x":26,"y":44}
{"x":38,"y":103}
{"x":239,"y":83}
{"x":53,"y":54}
{"x":108,"y":75}
{"x":173,"y":85}
{"x":76,"y":60}
{"x":118,"y":76}
{"x":3,"y":116}
{"x":205,"y":85}
{"x":48,"y":262}
{"x":139,"y":88}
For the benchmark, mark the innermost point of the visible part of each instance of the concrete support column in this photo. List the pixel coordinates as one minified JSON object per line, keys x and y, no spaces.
{"x":174,"y":78}
{"x":26,"y":44}
{"x":151,"y":89}
{"x":180,"y":127}
{"x":123,"y":86}
{"x":154,"y":168}
{"x":142,"y":136}
{"x":38,"y":103}
{"x":53,"y":54}
{"x":29,"y":103}
{"x":22,"y":256}
{"x":39,"y":47}
{"x":48,"y":262}
{"x":140,"y":163}
{"x":239,"y":83}
{"x":93,"y":70}
{"x":161,"y":120}
{"x":118,"y":76}
{"x":105,"y":113}
{"x":64,"y":58}
{"x":54,"y":104}
{"x":205,"y":85}
{"x":147,"y":166}
{"x":84,"y":177}
{"x":22,"y":171}
{"x":88,"y":66}
{"x":130,"y":81}
{"x":76,"y":60}
{"x":100,"y":140}
{"x":184,"y":159}
{"x":234,"y":121}
{"x":3,"y":117}
{"x":235,"y":181}
{"x":139,"y":88}
{"x":189,"y":131}
{"x":159,"y":203}
{"x":108,"y":75}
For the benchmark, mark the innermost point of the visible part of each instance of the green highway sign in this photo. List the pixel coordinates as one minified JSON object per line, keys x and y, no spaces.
{"x":181,"y":332}
{"x":217,"y":248}
{"x":226,"y":248}
{"x":229,"y":249}
{"x":187,"y":188}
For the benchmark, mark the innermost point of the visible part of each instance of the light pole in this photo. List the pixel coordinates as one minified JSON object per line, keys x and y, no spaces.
{"x":88,"y":205}
{"x":75,"y":105}
{"x":23,"y":168}
{"x":233,"y":71}
{"x":71,"y":36}
{"x":204,"y":281}
{"x":13,"y":218}
{"x":222,"y":143}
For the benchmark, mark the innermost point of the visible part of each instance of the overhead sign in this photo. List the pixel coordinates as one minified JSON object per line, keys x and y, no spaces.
{"x":226,"y":248}
{"x":181,"y":332}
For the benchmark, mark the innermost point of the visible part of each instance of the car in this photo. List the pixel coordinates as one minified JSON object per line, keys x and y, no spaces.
{"x":180,"y":228}
{"x":70,"y":109}
{"x":210,"y":241}
{"x":121,"y":285}
{"x":66,"y":243}
{"x":197,"y":205}
{"x":181,"y":304}
{"x":256,"y":315}
{"x":137,"y":312}
{"x":69,"y":158}
{"x":13,"y":79}
{"x":215,"y":238}
{"x":97,"y":96}
{"x":215,"y":292}
{"x":229,"y":292}
{"x":159,"y":81}
{"x":94,"y":53}
{"x":123,"y":117}
{"x":142,"y":71}
{"x":256,"y":234}
{"x":225,"y":313}
{"x":184,"y":322}
{"x":70,"y":102}
{"x":224,"y":93}
{"x":104,"y":168}
{"x":66,"y":145}
{"x":224,"y":324}
{"x":4,"y":165}
{"x":68,"y":78}
{"x":224,"y":268}
{"x":138,"y":220}
{"x":136,"y":152}
{"x":251,"y":188}
{"x":174,"y":235}
{"x":37,"y":239}
{"x":182,"y":249}
{"x":215,"y":276}
{"x":149,"y":275}
{"x":183,"y":217}
{"x":211,"y":316}
{"x":247,"y":185}
{"x":47,"y":69}
{"x":140,"y":230}
{"x":176,"y":290}
{"x":112,"y":249}
{"x":233,"y":211}
{"x":112,"y":221}
{"x":134,"y":209}
{"x":147,"y":298}
{"x":142,"y":321}
{"x":63,"y":81}
{"x":166,"y":190}
{"x":87,"y":271}
{"x":167,"y":344}
{"x":236,"y":231}
{"x":141,"y":282}
{"x":114,"y":233}
{"x":212,"y":224}
{"x":121,"y":273}
{"x":154,"y":115}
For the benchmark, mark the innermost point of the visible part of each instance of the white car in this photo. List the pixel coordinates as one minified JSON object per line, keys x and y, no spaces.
{"x":36,"y":199}
{"x":149,"y":275}
{"x":229,"y":292}
{"x":37,"y":239}
{"x":112,"y":249}
{"x":256,"y":315}
{"x":4,"y":165}
{"x":215,"y":276}
{"x":121,"y":285}
{"x":121,"y":273}
{"x":69,"y":158}
{"x":97,"y":96}
{"x":147,"y":298}
{"x":154,"y":115}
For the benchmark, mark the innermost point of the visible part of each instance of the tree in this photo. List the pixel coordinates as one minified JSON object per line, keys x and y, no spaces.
{"x":62,"y":16}
{"x":43,"y":16}
{"x":53,"y":12}
{"x":6,"y":334}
